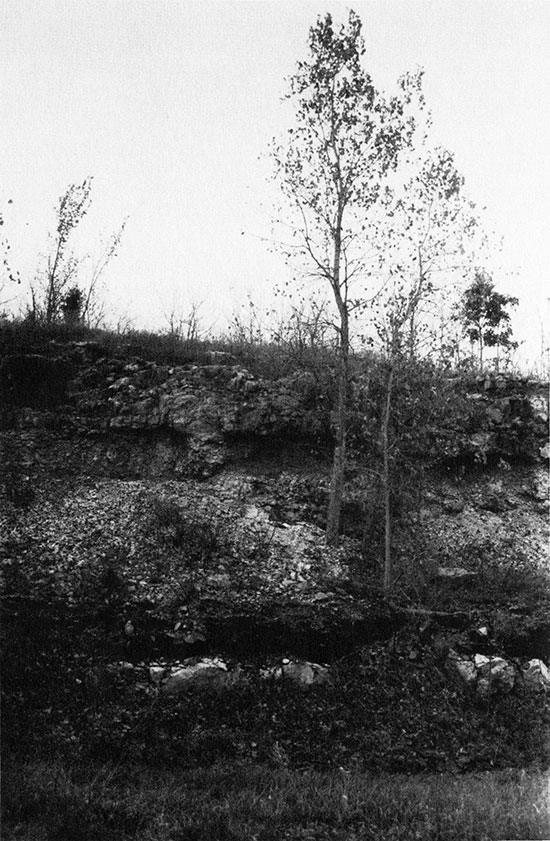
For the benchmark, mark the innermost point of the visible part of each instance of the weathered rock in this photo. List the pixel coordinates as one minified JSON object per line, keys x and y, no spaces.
{"x":157,"y":674}
{"x":207,"y":673}
{"x":536,"y":676}
{"x":456,"y":574}
{"x":539,"y":404}
{"x":300,"y":672}
{"x":493,"y":674}
{"x":495,"y":414}
{"x":461,"y":666}
{"x":487,"y":674}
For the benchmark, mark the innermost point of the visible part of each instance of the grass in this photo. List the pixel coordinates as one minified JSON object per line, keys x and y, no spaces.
{"x":44,"y":801}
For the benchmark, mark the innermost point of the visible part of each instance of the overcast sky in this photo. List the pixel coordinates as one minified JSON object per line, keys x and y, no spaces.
{"x":170,"y":104}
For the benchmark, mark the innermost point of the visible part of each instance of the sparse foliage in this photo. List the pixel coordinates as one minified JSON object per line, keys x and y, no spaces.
{"x":6,"y":272}
{"x":63,"y":271}
{"x":185,"y":324}
{"x":424,"y":236}
{"x":61,"y":264}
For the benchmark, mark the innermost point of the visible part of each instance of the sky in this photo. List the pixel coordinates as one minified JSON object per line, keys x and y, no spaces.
{"x":171,"y":105}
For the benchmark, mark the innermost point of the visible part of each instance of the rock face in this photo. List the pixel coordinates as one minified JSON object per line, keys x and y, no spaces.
{"x":217,"y":400}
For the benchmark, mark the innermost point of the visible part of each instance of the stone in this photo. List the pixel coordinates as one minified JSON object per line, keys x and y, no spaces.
{"x":207,"y":673}
{"x":536,"y":676}
{"x":488,"y":674}
{"x":495,"y":414}
{"x":545,"y":451}
{"x":493,"y":674}
{"x":157,"y":674}
{"x":456,"y":574}
{"x":300,"y":672}
{"x":539,"y":405}
{"x":461,"y":666}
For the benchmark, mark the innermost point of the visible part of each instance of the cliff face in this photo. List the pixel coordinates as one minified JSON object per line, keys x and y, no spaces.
{"x":204,"y":479}
{"x":215,"y":414}
{"x":155,"y":516}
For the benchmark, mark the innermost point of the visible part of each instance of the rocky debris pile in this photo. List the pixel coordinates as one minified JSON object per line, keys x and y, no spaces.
{"x":489,"y":675}
{"x":485,"y":674}
{"x":215,"y":674}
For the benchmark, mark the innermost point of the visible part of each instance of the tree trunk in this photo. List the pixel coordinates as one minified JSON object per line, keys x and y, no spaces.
{"x":480,"y":350}
{"x":387,"y":484}
{"x":339,"y":459}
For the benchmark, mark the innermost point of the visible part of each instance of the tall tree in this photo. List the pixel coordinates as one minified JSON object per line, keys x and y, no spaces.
{"x":485,"y":317}
{"x":346,"y":138}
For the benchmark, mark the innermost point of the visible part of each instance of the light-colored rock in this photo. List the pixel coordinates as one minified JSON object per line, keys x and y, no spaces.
{"x":157,"y":673}
{"x":494,"y":674}
{"x":539,"y":405}
{"x":495,"y":414}
{"x":536,"y":676}
{"x":300,"y":672}
{"x":487,"y":674}
{"x":461,"y":666}
{"x":208,"y":673}
{"x":456,"y":574}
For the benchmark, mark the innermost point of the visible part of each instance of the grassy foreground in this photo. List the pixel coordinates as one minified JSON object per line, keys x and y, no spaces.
{"x":43,"y":801}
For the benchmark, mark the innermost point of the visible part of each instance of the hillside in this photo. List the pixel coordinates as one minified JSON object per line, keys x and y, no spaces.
{"x":167,"y":519}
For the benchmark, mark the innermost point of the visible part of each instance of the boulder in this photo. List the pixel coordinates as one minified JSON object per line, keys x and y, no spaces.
{"x":536,"y":676}
{"x":299,"y":672}
{"x":493,"y":674}
{"x":487,"y":674}
{"x":461,"y":666}
{"x":205,"y":674}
